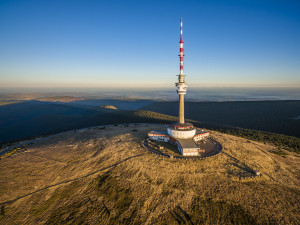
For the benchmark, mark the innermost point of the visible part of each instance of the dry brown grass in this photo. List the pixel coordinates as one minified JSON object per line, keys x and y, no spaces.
{"x":106,"y":176}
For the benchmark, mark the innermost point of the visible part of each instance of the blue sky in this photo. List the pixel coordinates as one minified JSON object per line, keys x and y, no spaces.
{"x":242,"y":43}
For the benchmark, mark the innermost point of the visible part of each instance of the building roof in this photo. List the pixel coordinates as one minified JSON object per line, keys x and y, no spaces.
{"x":184,"y":126}
{"x":158,"y":132}
{"x":187,"y":143}
{"x":199,"y":132}
{"x":184,"y":143}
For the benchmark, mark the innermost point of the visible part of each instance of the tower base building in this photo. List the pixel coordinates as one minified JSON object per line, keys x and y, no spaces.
{"x":186,"y":146}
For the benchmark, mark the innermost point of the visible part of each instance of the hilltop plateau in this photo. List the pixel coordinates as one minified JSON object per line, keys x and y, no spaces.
{"x":104,"y":175}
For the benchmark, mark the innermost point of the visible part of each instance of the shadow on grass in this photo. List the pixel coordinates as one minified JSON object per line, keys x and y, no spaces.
{"x":71,"y":180}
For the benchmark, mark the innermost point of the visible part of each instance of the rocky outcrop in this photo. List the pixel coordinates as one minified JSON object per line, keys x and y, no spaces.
{"x":109,"y":107}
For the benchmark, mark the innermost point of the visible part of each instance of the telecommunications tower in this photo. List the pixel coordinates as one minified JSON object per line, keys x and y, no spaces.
{"x":182,"y":134}
{"x":181,"y":85}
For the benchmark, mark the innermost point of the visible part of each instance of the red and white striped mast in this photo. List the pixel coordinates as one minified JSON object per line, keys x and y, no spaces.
{"x":181,"y":49}
{"x":181,"y":85}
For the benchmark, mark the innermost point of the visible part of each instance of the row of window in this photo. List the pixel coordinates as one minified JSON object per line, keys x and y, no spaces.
{"x":190,"y":153}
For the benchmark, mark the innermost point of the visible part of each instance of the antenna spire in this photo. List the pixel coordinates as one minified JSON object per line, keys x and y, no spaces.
{"x":181,"y":50}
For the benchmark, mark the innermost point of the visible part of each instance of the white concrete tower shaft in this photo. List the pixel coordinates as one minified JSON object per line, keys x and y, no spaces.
{"x":181,"y":85}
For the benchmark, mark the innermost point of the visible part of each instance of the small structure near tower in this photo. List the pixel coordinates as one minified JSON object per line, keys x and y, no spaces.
{"x":181,"y":134}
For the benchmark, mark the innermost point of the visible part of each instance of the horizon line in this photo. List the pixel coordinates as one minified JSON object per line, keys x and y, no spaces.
{"x":147,"y":88}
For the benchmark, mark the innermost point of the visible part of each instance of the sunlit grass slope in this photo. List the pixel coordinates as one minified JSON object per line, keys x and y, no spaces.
{"x":105,"y":176}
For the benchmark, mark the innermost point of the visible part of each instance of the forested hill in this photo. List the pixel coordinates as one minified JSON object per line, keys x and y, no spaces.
{"x":273,"y":116}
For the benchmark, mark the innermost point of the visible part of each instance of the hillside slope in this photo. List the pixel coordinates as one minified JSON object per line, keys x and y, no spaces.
{"x":272,"y":116}
{"x":33,"y":118}
{"x":105,"y":176}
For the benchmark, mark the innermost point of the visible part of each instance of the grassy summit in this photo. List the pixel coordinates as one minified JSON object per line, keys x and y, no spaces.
{"x":106,"y":176}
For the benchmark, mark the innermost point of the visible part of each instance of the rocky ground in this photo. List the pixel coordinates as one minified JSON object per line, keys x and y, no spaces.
{"x":105,"y":176}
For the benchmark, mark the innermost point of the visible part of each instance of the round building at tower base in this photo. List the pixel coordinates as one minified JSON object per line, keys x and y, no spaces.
{"x":184,"y":136}
{"x":182,"y":131}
